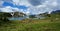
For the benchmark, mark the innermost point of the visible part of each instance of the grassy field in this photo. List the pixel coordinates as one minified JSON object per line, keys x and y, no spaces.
{"x":49,"y":24}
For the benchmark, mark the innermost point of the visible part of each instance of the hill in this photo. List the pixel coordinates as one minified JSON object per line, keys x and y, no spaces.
{"x":57,"y":11}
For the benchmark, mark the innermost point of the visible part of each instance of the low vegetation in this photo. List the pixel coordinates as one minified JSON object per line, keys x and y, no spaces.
{"x":50,"y":23}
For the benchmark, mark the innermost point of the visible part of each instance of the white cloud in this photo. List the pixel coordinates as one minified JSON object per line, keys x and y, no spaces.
{"x":21,"y":2}
{"x":46,"y":6}
{"x":6,"y":9}
{"x":9,"y":9}
{"x":1,"y":2}
{"x":54,"y":4}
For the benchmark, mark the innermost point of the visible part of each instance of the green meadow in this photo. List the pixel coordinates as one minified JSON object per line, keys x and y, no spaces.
{"x":48,"y":24}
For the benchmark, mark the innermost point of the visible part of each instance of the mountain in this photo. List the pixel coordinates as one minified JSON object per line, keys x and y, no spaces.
{"x":57,"y":11}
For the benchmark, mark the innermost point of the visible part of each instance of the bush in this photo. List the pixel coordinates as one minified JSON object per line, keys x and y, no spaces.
{"x":4,"y":17}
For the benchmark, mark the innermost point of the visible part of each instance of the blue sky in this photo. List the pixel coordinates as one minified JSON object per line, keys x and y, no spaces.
{"x":16,"y":6}
{"x":29,"y":6}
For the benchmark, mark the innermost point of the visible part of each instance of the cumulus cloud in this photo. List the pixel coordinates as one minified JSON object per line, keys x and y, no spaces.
{"x":36,"y":2}
{"x":21,"y":2}
{"x":6,"y":9}
{"x":47,"y":6}
{"x":9,"y":9}
{"x":1,"y":2}
{"x":34,"y":6}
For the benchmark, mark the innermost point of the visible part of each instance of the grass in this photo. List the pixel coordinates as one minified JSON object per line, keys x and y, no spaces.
{"x":48,"y":24}
{"x":31,"y":26}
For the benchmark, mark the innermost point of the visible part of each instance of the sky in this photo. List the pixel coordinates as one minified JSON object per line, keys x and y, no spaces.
{"x":29,"y":6}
